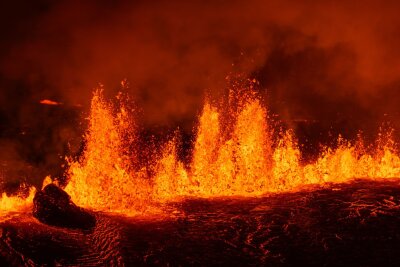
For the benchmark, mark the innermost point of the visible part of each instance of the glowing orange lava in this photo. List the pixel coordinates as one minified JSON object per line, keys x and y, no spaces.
{"x":49,"y":102}
{"x":18,"y":203}
{"x":235,"y":153}
{"x":105,"y":178}
{"x":240,"y":159}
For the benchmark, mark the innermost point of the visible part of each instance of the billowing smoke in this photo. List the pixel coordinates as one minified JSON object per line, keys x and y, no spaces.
{"x":331,"y":62}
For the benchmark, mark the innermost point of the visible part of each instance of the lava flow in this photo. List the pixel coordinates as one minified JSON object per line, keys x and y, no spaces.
{"x":236,"y":153}
{"x":9,"y":204}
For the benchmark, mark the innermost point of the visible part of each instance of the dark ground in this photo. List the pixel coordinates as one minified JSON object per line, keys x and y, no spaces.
{"x":355,"y":224}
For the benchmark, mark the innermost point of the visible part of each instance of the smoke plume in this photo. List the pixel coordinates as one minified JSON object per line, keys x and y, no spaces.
{"x":332,"y":62}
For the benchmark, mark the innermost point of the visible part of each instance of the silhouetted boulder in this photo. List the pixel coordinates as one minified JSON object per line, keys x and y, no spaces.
{"x":53,"y":206}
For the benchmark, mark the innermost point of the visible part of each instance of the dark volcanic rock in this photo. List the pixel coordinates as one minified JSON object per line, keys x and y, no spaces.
{"x":53,"y":206}
{"x":351,"y":224}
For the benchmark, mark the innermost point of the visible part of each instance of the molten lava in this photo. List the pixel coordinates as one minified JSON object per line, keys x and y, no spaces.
{"x":9,"y":204}
{"x":104,"y":178}
{"x":235,"y":153}
{"x":49,"y":102}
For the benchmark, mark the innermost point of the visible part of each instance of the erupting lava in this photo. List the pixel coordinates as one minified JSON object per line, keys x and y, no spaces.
{"x":15,"y":203}
{"x":105,"y":177}
{"x":49,"y":102}
{"x":236,"y":153}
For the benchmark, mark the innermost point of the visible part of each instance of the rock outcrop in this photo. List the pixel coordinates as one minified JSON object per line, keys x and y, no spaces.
{"x":53,"y":206}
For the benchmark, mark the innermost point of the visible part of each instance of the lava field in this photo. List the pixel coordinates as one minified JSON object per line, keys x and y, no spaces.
{"x":349,"y":224}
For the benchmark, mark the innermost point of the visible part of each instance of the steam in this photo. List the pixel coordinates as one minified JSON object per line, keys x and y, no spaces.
{"x":333,"y":62}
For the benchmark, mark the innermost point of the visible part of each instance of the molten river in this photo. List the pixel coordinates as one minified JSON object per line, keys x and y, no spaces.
{"x":236,"y":153}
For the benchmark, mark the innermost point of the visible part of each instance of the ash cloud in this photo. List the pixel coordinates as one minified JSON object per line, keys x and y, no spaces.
{"x":335,"y":62}
{"x":173,"y":50}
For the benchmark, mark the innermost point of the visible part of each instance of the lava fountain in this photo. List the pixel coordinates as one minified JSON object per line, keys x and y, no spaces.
{"x":245,"y":196}
{"x":236,"y":152}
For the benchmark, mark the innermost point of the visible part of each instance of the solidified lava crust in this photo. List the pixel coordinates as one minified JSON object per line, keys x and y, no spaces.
{"x":352,"y":224}
{"x":53,"y":206}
